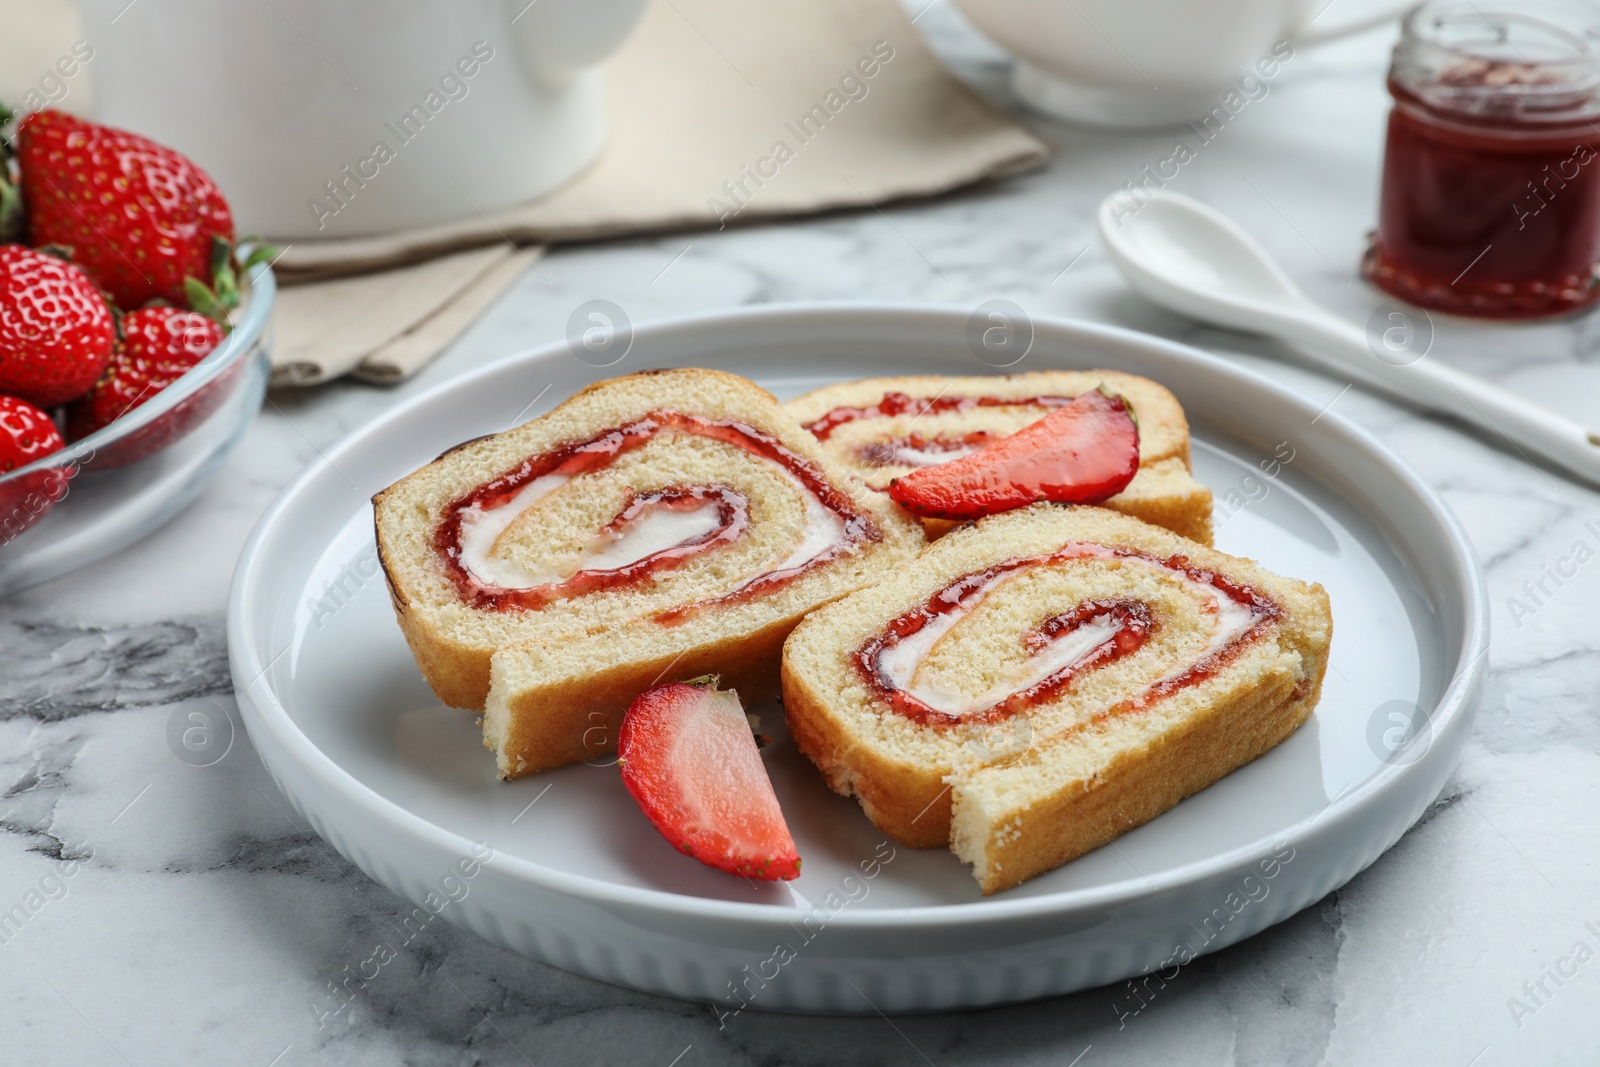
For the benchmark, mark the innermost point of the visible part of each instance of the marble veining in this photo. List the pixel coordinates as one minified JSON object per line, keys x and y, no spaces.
{"x":53,"y":672}
{"x":178,"y":910}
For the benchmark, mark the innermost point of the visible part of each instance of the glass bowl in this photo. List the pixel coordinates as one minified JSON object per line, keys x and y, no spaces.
{"x":104,"y":492}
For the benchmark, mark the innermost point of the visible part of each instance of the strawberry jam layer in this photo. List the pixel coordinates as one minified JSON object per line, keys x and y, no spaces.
{"x":727,"y":513}
{"x":1060,"y":649}
{"x":915,"y":450}
{"x":713,"y":516}
{"x":904,"y":404}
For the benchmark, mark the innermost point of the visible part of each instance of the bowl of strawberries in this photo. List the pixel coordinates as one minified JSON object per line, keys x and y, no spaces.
{"x":133,"y":340}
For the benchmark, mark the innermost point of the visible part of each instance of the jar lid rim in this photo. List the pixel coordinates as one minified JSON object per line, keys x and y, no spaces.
{"x":1571,"y":26}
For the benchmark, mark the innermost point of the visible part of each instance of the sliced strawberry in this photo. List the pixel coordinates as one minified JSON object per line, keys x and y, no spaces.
{"x":690,"y":761}
{"x":1078,"y":454}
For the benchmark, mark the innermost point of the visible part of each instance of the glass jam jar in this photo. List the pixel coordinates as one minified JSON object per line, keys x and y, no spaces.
{"x":1490,"y":204}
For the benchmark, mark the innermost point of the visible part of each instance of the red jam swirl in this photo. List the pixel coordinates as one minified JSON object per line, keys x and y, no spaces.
{"x":891,"y":453}
{"x":733,"y":517}
{"x":601,"y":451}
{"x":1133,"y":627}
{"x":1261,"y":607}
{"x":1134,"y":624}
{"x":904,"y":404}
{"x":1132,"y":617}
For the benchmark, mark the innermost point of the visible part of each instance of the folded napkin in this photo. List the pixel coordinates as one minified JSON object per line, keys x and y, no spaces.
{"x":382,"y":327}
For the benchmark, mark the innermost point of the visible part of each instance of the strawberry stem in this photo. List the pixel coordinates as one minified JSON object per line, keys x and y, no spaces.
{"x":216,"y":300}
{"x":8,"y":133}
{"x":1126,"y":403}
{"x":704,"y":681}
{"x":207,"y":303}
{"x":260,"y":251}
{"x":13,"y":219}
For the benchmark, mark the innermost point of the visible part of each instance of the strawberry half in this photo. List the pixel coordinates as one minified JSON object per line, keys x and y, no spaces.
{"x":691,"y":763}
{"x":139,"y":217}
{"x":56,"y":332}
{"x":1082,"y":453}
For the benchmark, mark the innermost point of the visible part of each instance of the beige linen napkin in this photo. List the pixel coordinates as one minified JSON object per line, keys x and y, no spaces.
{"x":384,"y":326}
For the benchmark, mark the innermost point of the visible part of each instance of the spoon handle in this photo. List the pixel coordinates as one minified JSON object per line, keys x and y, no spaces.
{"x":1530,"y":427}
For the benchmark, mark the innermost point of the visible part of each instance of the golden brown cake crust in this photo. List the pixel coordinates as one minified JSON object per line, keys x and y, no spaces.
{"x":926,"y":797}
{"x":554,"y":681}
{"x":577,"y":718}
{"x":907,"y":801}
{"x":1146,"y":782}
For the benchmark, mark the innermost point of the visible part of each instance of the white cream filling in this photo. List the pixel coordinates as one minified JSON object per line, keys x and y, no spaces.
{"x":824,"y":529}
{"x":906,"y":456}
{"x":481,"y":530}
{"x":898,"y":664}
{"x":1233,"y":622}
{"x":901,"y":663}
{"x":1067,"y":651}
{"x":658,"y":529}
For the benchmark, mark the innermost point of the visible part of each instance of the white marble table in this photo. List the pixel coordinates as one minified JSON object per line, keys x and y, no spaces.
{"x":184,"y":915}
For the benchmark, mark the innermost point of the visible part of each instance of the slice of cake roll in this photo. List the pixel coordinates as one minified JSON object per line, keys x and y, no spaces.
{"x":654,"y":527}
{"x":884,"y":428}
{"x":1046,"y":679}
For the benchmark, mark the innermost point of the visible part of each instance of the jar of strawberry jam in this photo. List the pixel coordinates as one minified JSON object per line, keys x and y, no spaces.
{"x":1491,"y":183}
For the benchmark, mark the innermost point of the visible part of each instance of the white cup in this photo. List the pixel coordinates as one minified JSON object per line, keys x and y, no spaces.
{"x":343,"y":118}
{"x":1146,"y":63}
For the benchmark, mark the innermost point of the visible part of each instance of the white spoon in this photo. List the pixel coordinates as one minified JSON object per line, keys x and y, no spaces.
{"x":1182,"y":254}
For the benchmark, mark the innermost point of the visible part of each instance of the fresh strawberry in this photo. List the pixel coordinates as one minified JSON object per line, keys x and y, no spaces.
{"x":159,"y":346}
{"x":27,"y":434}
{"x":139,"y":217}
{"x":56,"y":332}
{"x":1078,"y":454}
{"x":690,"y":760}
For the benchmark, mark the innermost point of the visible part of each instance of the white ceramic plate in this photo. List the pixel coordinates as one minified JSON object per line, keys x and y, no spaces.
{"x":577,"y":877}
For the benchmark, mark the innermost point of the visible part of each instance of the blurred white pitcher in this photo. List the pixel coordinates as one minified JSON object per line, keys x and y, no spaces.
{"x":339,"y":118}
{"x":1147,"y":63}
